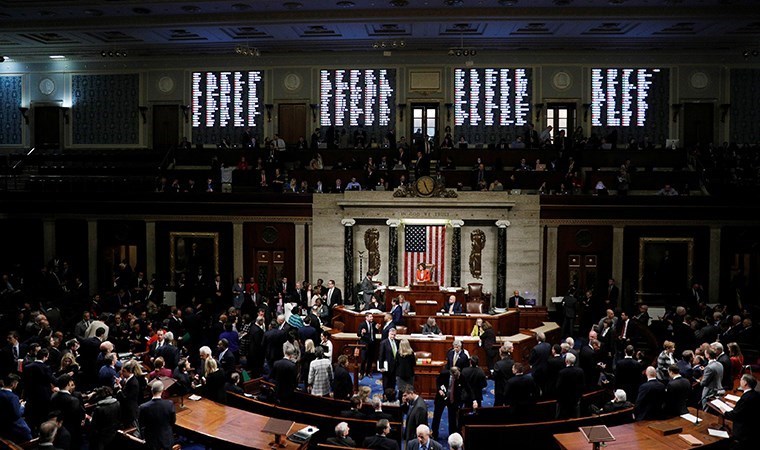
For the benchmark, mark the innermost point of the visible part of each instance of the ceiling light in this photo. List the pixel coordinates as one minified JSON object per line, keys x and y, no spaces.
{"x":57,"y":57}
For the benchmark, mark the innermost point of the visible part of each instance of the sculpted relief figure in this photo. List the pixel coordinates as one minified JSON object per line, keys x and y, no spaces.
{"x":371,"y":242}
{"x":478,"y":241}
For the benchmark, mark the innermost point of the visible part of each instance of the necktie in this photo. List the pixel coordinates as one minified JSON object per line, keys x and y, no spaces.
{"x":15,"y":352}
{"x":393,"y":348}
{"x":456,"y":357}
{"x":369,"y":330}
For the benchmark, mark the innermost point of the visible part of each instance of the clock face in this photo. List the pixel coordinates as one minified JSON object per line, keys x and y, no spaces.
{"x":47,"y":86}
{"x":425,"y":185}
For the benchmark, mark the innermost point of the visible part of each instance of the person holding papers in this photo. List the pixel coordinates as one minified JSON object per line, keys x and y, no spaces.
{"x":388,"y":359}
{"x":746,"y":415}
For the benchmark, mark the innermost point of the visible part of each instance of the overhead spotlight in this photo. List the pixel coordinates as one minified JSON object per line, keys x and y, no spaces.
{"x":383,"y":44}
{"x":746,"y":53}
{"x":458,"y":52}
{"x":466,"y":52}
{"x":118,"y":53}
{"x":394,"y":44}
{"x":375,"y":45}
{"x":103,"y":54}
{"x":451,"y":52}
{"x":755,"y":53}
{"x":402,"y":44}
{"x":473,"y":52}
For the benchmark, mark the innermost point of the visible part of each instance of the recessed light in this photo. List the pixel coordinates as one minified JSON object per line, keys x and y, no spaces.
{"x":57,"y":57}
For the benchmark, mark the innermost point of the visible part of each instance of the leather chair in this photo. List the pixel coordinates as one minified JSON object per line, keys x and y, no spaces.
{"x":474,"y":292}
{"x":474,"y":307}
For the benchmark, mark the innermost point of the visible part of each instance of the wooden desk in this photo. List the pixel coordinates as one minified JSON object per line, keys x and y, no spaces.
{"x":638,"y":435}
{"x":505,"y":324}
{"x":221,"y":426}
{"x":423,"y":292}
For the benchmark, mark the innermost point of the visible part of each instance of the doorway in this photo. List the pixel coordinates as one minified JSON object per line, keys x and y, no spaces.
{"x":166,"y":127}
{"x":46,"y":126}
{"x":424,"y":124}
{"x":561,"y":116}
{"x":270,"y":267}
{"x":291,"y":122}
{"x":698,"y":125}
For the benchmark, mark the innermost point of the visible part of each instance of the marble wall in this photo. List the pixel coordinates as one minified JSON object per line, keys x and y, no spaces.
{"x":478,"y":210}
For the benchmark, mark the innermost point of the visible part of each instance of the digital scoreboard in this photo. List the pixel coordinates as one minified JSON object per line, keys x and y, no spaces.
{"x":357,"y":97}
{"x":624,"y":97}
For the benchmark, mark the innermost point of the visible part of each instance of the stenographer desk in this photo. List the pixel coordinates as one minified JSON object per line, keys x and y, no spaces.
{"x":225,"y":427}
{"x":639,"y":435}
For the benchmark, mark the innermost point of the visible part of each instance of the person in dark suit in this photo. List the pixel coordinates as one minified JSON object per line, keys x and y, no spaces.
{"x":342,"y":384}
{"x":613,"y":292}
{"x":488,"y":343}
{"x":157,"y":416}
{"x":539,"y":355}
{"x":226,"y":357}
{"x":515,"y":300}
{"x":48,"y":434}
{"x":628,"y":373}
{"x":522,"y":393}
{"x":553,"y":366}
{"x":388,"y":358}
{"x":570,"y":382}
{"x":474,"y":380}
{"x":569,"y":303}
{"x":334,"y":295}
{"x":418,"y":413}
{"x":397,"y":312}
{"x":341,"y":438}
{"x":71,"y":408}
{"x":12,"y":425}
{"x":650,"y":398}
{"x":366,"y":334}
{"x":285,"y":376}
{"x":38,"y":383}
{"x":272,"y":342}
{"x":727,"y":380}
{"x":502,"y":372}
{"x":423,"y":440}
{"x":387,"y":326}
{"x":589,"y":359}
{"x":255,"y":350}
{"x":129,"y":396}
{"x":677,"y":393}
{"x":105,"y":420}
{"x":457,"y":357}
{"x":381,"y":441}
{"x":11,"y":353}
{"x":452,"y":306}
{"x":746,"y":415}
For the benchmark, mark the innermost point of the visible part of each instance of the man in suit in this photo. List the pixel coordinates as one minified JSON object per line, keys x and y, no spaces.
{"x":272,"y":342}
{"x":553,"y":366}
{"x":677,"y":393}
{"x":168,"y":351}
{"x":628,"y":373}
{"x":650,"y":398}
{"x":225,"y":357}
{"x":626,"y":331}
{"x":417,"y":414}
{"x":746,"y":415}
{"x":12,"y":425}
{"x":130,"y":395}
{"x":515,"y":300}
{"x":397,"y":312}
{"x":457,"y":357}
{"x":70,"y":406}
{"x":502,"y":372}
{"x":712,"y":377}
{"x":48,"y":432}
{"x":522,"y":393}
{"x":727,"y":380}
{"x":342,"y":385}
{"x":285,"y":377}
{"x":334,"y":296}
{"x":388,"y":325}
{"x":452,"y":306}
{"x":423,"y":441}
{"x":341,"y":438}
{"x":11,"y":353}
{"x":157,"y":416}
{"x":474,"y":380}
{"x":367,"y":287}
{"x":388,"y":358}
{"x":539,"y":355}
{"x":38,"y":383}
{"x":569,"y":303}
{"x":256,"y":349}
{"x":366,"y":334}
{"x":613,"y":292}
{"x":570,"y":382}
{"x":81,"y":327}
{"x":381,"y":441}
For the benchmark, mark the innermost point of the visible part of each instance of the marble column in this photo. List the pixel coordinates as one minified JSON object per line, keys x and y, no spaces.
{"x":618,"y":233}
{"x":714,"y":263}
{"x":550,"y":283}
{"x":393,"y":225}
{"x":237,"y":250}
{"x":348,"y":260}
{"x":92,"y":256}
{"x":150,"y":248}
{"x":456,"y":253}
{"x":300,"y":251}
{"x":501,"y":264}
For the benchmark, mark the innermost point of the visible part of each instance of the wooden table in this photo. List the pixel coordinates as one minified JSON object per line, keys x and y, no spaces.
{"x":431,"y":292}
{"x":505,"y":324}
{"x":638,"y":435}
{"x":221,"y":426}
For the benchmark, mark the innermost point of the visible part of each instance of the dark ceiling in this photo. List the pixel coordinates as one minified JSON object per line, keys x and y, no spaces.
{"x":155,"y":28}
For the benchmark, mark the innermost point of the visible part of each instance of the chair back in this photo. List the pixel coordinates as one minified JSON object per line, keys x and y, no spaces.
{"x":475,"y":307}
{"x":474,"y":291}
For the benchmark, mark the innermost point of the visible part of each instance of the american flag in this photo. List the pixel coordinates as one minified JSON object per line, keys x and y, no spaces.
{"x":424,"y":243}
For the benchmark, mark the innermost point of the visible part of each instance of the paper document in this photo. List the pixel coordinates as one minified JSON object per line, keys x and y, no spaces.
{"x":194,"y":397}
{"x":721,"y":405}
{"x":718,"y":433}
{"x":733,"y":398}
{"x":691,"y":418}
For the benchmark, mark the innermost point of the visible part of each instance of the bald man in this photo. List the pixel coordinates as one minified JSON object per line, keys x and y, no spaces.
{"x":650,"y":398}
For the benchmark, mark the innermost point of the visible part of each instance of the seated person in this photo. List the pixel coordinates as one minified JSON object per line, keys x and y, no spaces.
{"x":341,"y":438}
{"x":452,"y":306}
{"x":423,"y":274}
{"x":374,"y":303}
{"x":477,"y":329}
{"x":430,"y":327}
{"x":516,"y":300}
{"x":353,"y":185}
{"x":616,"y":404}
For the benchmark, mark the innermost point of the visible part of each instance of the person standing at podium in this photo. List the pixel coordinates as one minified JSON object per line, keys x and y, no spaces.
{"x":423,"y":274}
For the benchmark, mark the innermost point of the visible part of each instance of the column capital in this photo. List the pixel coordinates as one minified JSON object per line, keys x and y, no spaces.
{"x":457,"y":223}
{"x":503,"y":223}
{"x":393,"y":223}
{"x":348,"y":222}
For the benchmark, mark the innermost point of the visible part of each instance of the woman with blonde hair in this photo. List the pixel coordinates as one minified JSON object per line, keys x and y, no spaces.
{"x":214,"y":381}
{"x":405,"y":365}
